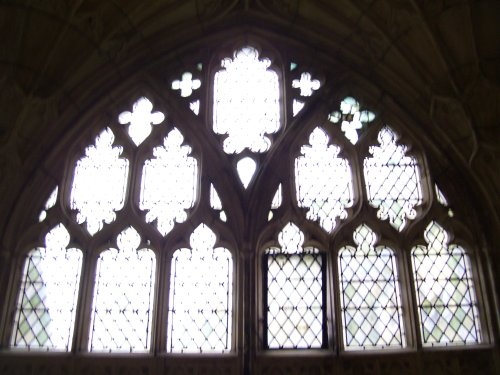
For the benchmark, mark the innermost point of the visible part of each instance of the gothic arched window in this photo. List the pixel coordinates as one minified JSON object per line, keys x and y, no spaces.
{"x":250,"y":195}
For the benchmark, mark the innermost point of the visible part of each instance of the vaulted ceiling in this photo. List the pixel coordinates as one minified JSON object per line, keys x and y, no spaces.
{"x":439,"y":59}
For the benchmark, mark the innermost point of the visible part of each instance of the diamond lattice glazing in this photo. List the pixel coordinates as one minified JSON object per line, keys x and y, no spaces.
{"x":370,"y":301}
{"x":445,"y":292}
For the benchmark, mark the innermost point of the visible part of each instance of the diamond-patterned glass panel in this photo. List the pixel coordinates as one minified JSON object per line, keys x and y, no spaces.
{"x":246,"y":102}
{"x":370,"y":298}
{"x":201,"y":295}
{"x":445,"y":291}
{"x":169,"y":183}
{"x":323,"y":181}
{"x":392,"y":180}
{"x":99,"y":183}
{"x":295,"y":295}
{"x":46,"y":305}
{"x":123,"y":297}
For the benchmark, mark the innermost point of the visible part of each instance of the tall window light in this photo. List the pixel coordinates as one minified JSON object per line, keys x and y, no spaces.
{"x":370,"y":299}
{"x":294,"y":278}
{"x":200,"y":302}
{"x":446,"y":297}
{"x":123,"y":297}
{"x":46,"y":306}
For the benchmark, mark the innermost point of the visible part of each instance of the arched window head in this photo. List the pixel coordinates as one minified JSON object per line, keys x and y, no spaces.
{"x":201,"y":296}
{"x":445,"y":292}
{"x":169,"y":183}
{"x":392,"y":180}
{"x":99,"y":183}
{"x":46,"y":306}
{"x":295,"y":295}
{"x":123,"y":297}
{"x":246,"y":102}
{"x":370,"y":299}
{"x":323,"y":181}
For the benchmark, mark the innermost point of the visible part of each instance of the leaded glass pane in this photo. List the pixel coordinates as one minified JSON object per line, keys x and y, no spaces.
{"x":186,"y":85}
{"x":277,"y":199}
{"x":216,"y":203}
{"x":370,"y":298}
{"x":246,"y":102}
{"x":169,"y":183}
{"x":351,"y":119}
{"x":99,"y":183}
{"x":445,"y":292}
{"x":51,"y":202}
{"x":201,"y":295}
{"x":141,"y":120}
{"x":440,"y":196}
{"x":306,"y":85}
{"x":392,"y":180}
{"x":123,"y":297}
{"x":323,"y":181}
{"x":246,"y":168}
{"x":46,"y":305}
{"x":294,"y":302}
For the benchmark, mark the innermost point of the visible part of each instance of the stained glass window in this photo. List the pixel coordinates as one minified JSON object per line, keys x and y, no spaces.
{"x":393,"y":180}
{"x":201,"y":296}
{"x":46,"y":307}
{"x":294,"y":279}
{"x":123,"y":297}
{"x":370,"y":298}
{"x":446,"y":297}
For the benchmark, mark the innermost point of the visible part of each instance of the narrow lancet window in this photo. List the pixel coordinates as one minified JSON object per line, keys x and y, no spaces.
{"x":323,"y":181}
{"x":46,"y":307}
{"x":123,"y":297}
{"x":294,"y":298}
{"x":246,"y":102}
{"x":200,"y":315}
{"x":370,"y":298}
{"x":445,"y":291}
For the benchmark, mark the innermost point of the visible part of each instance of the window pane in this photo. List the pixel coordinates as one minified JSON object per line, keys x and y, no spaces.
{"x":141,"y":120}
{"x":51,"y":202}
{"x":323,"y":181}
{"x":99,"y":183}
{"x":47,"y":302}
{"x":393,"y":180}
{"x":351,"y":119}
{"x":294,"y":305}
{"x":445,"y":292}
{"x":246,"y":102}
{"x":123,"y":297}
{"x":169,"y":183}
{"x":201,"y":295}
{"x":370,"y":299}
